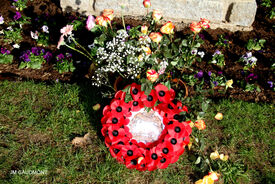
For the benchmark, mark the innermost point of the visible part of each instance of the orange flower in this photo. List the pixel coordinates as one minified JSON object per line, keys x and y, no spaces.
{"x":103,"y":21}
{"x":152,"y":75}
{"x":147,"y":3}
{"x":155,"y":37}
{"x":204,"y":23}
{"x":147,"y":50}
{"x":108,"y":13}
{"x":219,"y":116}
{"x":195,"y":27}
{"x":200,"y":124}
{"x":144,"y":29}
{"x":156,"y":15}
{"x":167,"y":28}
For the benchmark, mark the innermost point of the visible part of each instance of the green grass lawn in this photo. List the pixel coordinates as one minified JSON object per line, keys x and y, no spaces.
{"x":38,"y":122}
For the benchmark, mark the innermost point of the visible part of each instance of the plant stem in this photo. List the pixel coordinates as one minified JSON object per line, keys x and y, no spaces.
{"x":79,"y":52}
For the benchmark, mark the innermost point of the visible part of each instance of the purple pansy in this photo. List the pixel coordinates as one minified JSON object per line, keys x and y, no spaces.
{"x":60,"y":57}
{"x":215,"y":83}
{"x":199,"y":75}
{"x":48,"y":56}
{"x":17,"y":16}
{"x":209,"y":73}
{"x":270,"y":83}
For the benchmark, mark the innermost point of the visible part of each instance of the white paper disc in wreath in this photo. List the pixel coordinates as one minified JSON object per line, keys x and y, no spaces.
{"x":145,"y":126}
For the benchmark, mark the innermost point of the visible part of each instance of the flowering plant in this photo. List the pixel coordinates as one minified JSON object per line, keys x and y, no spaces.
{"x":218,"y":59}
{"x":156,"y":146}
{"x":146,"y":54}
{"x":34,"y":58}
{"x":64,"y":63}
{"x":20,"y":4}
{"x":5,"y":56}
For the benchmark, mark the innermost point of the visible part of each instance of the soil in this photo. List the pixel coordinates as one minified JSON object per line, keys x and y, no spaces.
{"x":50,"y":11}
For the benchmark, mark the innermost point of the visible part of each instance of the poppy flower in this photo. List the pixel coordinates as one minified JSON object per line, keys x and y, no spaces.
{"x":165,"y":149}
{"x":120,"y":95}
{"x":164,"y":162}
{"x":176,"y":130}
{"x":152,"y":159}
{"x":177,"y":143}
{"x":135,"y":91}
{"x":119,"y":106}
{"x":150,"y":100}
{"x":164,"y":94}
{"x":115,"y":133}
{"x":136,"y":105}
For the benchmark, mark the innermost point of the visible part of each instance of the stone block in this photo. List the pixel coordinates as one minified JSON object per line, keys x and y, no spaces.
{"x":231,"y":14}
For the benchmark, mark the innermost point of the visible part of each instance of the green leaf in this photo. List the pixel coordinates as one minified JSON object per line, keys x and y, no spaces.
{"x":184,"y":43}
{"x":6,"y":59}
{"x":22,"y":65}
{"x":204,"y":106}
{"x":128,"y":98}
{"x":174,"y":63}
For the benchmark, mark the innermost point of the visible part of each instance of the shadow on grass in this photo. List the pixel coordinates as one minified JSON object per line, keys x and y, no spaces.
{"x":90,"y":96}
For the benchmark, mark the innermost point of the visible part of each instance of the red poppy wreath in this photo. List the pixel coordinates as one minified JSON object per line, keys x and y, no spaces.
{"x":145,"y":139}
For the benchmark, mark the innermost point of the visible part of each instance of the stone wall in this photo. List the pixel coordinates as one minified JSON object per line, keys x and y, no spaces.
{"x":230,"y":14}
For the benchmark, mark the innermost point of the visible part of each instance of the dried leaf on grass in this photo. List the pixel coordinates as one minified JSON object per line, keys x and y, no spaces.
{"x":82,"y":141}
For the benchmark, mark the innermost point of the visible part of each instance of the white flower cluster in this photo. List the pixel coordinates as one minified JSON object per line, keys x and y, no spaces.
{"x":117,"y":56}
{"x":145,"y":41}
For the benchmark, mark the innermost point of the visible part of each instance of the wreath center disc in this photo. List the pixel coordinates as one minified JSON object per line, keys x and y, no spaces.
{"x":145,"y":126}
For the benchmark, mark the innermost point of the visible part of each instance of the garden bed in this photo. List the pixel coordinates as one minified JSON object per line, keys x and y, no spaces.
{"x":258,"y":78}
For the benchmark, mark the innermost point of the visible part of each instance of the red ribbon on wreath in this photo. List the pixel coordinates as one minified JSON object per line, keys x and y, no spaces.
{"x":142,"y":155}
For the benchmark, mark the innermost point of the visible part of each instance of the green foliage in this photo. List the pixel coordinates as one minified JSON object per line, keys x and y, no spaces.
{"x":223,"y":42}
{"x":20,"y":4}
{"x":254,"y":44}
{"x":266,"y":3}
{"x":252,"y":88}
{"x":218,"y":59}
{"x":6,"y":59}
{"x":34,"y":63}
{"x":13,"y":35}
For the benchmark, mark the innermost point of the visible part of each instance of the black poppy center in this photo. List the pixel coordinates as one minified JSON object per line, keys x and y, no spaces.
{"x":173,"y":141}
{"x":134,"y":162}
{"x":170,"y":122}
{"x":149,"y":98}
{"x":114,"y":120}
{"x":118,"y":109}
{"x":121,"y":143}
{"x":115,"y":133}
{"x":154,"y":156}
{"x":130,"y":153}
{"x":135,"y":91}
{"x":170,"y":106}
{"x":142,"y":165}
{"x":165,"y":150}
{"x":116,"y":150}
{"x":163,"y":160}
{"x":161,"y":93}
{"x":176,"y":117}
{"x":177,"y":129}
{"x":135,"y":103}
